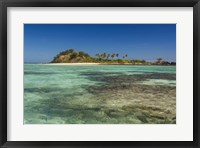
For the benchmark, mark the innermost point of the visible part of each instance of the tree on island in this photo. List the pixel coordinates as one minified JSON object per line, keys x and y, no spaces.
{"x":98,"y":55}
{"x":104,"y":55}
{"x":125,"y":56}
{"x":72,"y":56}
{"x":113,"y":55}
{"x":159,"y":60}
{"x":83,"y":54}
{"x":108,"y":56}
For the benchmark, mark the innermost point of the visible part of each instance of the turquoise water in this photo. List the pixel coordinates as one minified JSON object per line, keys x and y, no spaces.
{"x":99,"y":94}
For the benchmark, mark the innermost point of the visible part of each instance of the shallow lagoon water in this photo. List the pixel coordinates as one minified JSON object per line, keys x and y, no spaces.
{"x":99,"y":94}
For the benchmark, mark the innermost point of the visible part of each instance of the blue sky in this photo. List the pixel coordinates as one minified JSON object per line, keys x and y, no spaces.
{"x":140,"y":41}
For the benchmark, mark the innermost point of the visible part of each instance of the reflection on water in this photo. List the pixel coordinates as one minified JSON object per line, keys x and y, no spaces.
{"x":100,"y":94}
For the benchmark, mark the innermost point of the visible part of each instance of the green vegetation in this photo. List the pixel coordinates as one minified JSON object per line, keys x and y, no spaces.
{"x":72,"y":56}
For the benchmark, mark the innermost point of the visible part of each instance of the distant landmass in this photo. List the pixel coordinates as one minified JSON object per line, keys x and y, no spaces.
{"x":73,"y":56}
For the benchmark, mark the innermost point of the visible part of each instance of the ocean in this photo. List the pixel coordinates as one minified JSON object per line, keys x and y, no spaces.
{"x":99,"y":94}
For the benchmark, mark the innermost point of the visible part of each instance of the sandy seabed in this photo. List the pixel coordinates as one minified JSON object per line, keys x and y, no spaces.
{"x":99,"y":94}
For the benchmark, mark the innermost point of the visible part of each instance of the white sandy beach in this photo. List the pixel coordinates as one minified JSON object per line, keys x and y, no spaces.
{"x":73,"y":64}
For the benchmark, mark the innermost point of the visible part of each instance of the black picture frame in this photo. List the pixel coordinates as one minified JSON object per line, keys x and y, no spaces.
{"x":4,"y":4}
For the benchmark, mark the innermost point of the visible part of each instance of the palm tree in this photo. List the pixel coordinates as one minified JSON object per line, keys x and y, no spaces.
{"x":101,"y":55}
{"x":113,"y":55}
{"x":108,"y":56}
{"x":117,"y":55}
{"x":104,"y":55}
{"x":98,"y":55}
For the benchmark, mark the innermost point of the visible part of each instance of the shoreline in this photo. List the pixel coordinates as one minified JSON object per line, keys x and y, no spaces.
{"x":73,"y":64}
{"x":79,"y":64}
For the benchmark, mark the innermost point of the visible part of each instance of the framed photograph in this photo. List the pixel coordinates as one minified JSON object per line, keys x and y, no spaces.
{"x":100,"y":73}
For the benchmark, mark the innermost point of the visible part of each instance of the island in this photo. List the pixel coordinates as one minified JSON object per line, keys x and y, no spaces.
{"x":74,"y":57}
